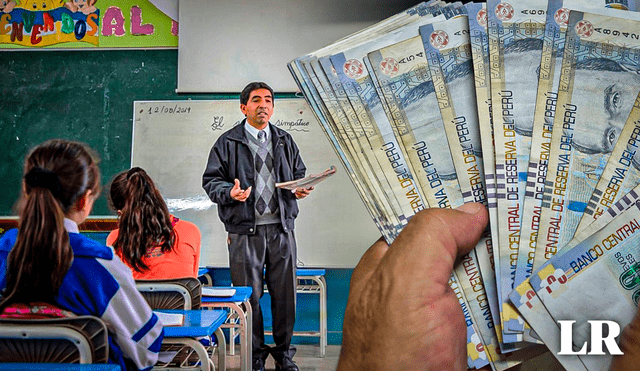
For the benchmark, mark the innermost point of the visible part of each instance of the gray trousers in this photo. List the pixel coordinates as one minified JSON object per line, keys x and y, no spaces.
{"x":273,"y":250}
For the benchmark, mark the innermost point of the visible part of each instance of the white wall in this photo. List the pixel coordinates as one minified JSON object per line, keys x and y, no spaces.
{"x":225,"y":44}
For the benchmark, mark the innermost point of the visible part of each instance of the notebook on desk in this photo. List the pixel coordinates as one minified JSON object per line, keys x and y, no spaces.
{"x":170,"y":319}
{"x":218,"y":292}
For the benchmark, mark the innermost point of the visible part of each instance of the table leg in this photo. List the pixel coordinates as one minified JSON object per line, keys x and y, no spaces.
{"x":222,"y":349}
{"x":245,"y":323}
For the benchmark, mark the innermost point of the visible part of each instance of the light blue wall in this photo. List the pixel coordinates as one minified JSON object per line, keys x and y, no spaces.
{"x":307,"y":310}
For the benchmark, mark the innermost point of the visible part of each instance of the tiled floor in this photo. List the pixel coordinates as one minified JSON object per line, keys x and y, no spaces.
{"x":306,"y":358}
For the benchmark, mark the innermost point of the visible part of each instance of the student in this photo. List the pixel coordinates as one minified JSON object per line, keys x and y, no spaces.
{"x":46,"y":259}
{"x":152,"y":242}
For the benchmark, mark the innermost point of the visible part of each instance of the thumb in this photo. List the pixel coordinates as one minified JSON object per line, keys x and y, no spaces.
{"x":435,"y":238}
{"x":368,"y":263}
{"x":630,"y":347}
{"x":236,"y":184}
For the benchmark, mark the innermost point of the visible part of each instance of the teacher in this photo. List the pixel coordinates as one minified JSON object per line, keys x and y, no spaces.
{"x":243,"y":167}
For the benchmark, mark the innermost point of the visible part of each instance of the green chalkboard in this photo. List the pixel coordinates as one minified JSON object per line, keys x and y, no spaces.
{"x":80,"y":95}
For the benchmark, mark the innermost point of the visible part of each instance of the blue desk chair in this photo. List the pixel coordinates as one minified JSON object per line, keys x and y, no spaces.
{"x":240,"y":319}
{"x":179,"y":293}
{"x":197,"y":323}
{"x":185,"y":294}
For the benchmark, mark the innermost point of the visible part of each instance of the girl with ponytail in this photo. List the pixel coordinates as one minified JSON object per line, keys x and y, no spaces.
{"x":47,"y":261}
{"x":152,"y":242}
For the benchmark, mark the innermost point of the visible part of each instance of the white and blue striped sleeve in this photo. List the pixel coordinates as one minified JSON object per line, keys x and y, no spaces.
{"x":137,"y":331}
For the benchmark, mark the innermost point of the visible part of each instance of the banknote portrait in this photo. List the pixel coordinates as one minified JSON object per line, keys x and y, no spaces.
{"x":604,"y":93}
{"x":420,"y":105}
{"x":522,"y":69}
{"x":462,"y":92}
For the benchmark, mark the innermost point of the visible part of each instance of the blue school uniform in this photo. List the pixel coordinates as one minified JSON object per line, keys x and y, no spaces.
{"x":99,"y":284}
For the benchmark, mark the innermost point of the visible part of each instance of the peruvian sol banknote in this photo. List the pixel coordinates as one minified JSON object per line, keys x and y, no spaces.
{"x":598,"y":85}
{"x":401,"y":70}
{"x":404,"y":79}
{"x":369,"y":109}
{"x":476,"y":354}
{"x":357,"y":96}
{"x":515,"y":46}
{"x":369,"y":180}
{"x":599,"y":276}
{"x":449,"y":56}
{"x":329,"y":86}
{"x":531,"y":307}
{"x":409,"y":93}
{"x":549,"y":78}
{"x":448,"y":53}
{"x":407,"y":90}
{"x":622,"y":172}
{"x":379,"y":217}
{"x":479,"y":42}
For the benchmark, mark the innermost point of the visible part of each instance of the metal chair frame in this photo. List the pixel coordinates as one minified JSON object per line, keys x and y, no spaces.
{"x":191,"y":293}
{"x":19,"y":339}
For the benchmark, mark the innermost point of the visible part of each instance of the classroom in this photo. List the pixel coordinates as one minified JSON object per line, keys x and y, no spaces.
{"x":86,"y":92}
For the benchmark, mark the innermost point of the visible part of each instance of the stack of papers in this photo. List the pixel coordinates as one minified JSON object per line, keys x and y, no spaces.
{"x":308,"y":181}
{"x":170,"y":319}
{"x":218,"y":292}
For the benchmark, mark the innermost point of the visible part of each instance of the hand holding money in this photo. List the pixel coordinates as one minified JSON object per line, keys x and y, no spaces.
{"x":403,"y":290}
{"x":630,"y":346}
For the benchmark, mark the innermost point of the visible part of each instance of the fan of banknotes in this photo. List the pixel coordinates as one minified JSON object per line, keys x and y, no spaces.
{"x":530,"y":107}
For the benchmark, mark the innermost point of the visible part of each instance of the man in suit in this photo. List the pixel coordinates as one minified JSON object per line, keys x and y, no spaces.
{"x":244,"y":165}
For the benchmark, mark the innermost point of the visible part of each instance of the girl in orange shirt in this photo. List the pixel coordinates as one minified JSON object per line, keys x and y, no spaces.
{"x":152,"y":242}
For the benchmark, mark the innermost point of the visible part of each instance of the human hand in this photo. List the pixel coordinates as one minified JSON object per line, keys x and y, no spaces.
{"x":630,"y":347}
{"x":237,"y":193}
{"x":401,"y":313}
{"x":303,"y":192}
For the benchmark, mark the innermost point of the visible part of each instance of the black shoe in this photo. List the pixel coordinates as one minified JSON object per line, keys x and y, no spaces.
{"x":258,"y":364}
{"x":286,"y":365}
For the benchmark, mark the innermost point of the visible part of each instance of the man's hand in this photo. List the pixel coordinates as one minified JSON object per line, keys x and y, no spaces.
{"x":630,"y":346}
{"x":238,"y":193}
{"x":401,"y":313}
{"x":303,"y":192}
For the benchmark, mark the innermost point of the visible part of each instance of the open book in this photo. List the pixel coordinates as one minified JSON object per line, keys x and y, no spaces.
{"x":217,"y":291}
{"x":170,"y":319}
{"x":307,"y":181}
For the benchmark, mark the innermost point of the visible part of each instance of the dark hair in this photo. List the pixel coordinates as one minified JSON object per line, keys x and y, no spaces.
{"x":144,"y":221}
{"x":56,"y":174}
{"x":246,"y":92}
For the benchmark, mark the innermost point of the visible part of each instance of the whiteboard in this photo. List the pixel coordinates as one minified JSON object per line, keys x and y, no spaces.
{"x":172,"y":140}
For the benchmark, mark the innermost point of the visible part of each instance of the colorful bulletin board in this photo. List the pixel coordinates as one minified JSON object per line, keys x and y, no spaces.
{"x":85,"y":24}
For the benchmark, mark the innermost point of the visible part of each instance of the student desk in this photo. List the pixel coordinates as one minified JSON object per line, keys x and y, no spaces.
{"x":198,"y":323}
{"x":240,"y":310}
{"x":58,"y":367}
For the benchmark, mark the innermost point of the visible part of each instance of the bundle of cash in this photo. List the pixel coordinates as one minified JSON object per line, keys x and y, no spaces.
{"x":531,"y":108}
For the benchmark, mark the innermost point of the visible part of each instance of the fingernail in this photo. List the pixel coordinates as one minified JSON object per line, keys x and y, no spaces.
{"x":470,"y":208}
